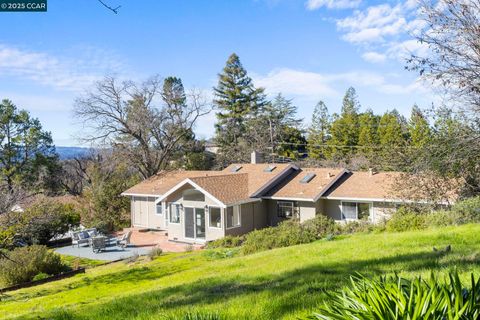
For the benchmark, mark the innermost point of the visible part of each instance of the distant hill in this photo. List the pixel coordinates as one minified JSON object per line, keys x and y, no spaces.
{"x":66,"y":153}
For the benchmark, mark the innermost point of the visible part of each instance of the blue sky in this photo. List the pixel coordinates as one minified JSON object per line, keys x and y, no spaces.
{"x":306,"y":49}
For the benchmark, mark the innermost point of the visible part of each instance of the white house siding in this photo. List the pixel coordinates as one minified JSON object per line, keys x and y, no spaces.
{"x":139,"y":211}
{"x":143,"y":213}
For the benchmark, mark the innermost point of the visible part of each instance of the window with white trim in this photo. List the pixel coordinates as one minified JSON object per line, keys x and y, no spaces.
{"x":215,"y":220}
{"x":285,"y":209}
{"x":159,"y":208}
{"x":233,"y":216}
{"x":174,"y":213}
{"x":355,"y":210}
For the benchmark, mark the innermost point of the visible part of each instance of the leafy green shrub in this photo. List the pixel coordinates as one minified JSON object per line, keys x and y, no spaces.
{"x":441,"y":218}
{"x":406,"y":219}
{"x":399,"y":298}
{"x":40,"y":276}
{"x":288,"y":233}
{"x":321,"y":226}
{"x":46,"y":219}
{"x":155,"y":252}
{"x":226,"y":242}
{"x":24,"y":263}
{"x":467,"y":210}
{"x":356,"y":226}
{"x":221,"y":253}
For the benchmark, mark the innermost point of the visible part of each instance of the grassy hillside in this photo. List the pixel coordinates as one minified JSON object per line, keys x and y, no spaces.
{"x":278,"y":284}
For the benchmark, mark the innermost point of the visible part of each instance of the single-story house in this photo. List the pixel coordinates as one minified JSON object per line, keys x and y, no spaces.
{"x":200,"y":206}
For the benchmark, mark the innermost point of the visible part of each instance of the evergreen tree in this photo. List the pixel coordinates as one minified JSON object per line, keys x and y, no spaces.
{"x":392,"y":138}
{"x":367,"y":136}
{"x":319,"y":131}
{"x":293,"y":143}
{"x":27,"y":154}
{"x":237,"y":101}
{"x":419,"y":129}
{"x":344,"y":130}
{"x":350,"y":105}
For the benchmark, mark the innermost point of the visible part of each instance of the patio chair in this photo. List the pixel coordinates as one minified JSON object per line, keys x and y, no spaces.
{"x":79,"y":238}
{"x":98,"y":243}
{"x":124,"y":241}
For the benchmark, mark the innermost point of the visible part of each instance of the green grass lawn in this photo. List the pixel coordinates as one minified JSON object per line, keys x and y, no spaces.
{"x":72,"y":261}
{"x":279,"y":284}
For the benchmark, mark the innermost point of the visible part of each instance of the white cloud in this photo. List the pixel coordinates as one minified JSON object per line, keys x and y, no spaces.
{"x":385,"y":31}
{"x":373,"y":24}
{"x":313,"y":86}
{"x":295,"y":82}
{"x":332,"y":4}
{"x":374,"y":57}
{"x":60,"y":72}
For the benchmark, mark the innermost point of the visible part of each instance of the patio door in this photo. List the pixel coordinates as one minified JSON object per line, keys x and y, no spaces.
{"x":194,"y":223}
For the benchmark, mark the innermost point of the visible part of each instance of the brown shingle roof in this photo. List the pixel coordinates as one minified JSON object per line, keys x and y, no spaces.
{"x":164,"y":181}
{"x":292,"y":188}
{"x":360,"y":184}
{"x":257,"y":177}
{"x":228,"y":188}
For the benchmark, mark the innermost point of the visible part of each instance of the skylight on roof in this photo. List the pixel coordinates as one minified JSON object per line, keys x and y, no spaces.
{"x":235,"y":168}
{"x":308,"y":177}
{"x":270,"y":168}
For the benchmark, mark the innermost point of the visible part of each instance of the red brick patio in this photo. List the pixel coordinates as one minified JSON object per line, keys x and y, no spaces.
{"x":151,"y":238}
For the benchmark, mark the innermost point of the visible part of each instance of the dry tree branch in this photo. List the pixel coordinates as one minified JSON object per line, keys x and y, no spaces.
{"x":114,"y":10}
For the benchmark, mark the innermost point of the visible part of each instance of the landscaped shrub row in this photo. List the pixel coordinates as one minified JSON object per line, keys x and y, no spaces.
{"x":289,"y":233}
{"x":292,"y":232}
{"x":466,"y":211}
{"x":27,"y":263}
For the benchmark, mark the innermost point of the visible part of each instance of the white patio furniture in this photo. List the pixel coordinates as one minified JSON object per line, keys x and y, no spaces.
{"x":82,"y":237}
{"x":124,"y":240}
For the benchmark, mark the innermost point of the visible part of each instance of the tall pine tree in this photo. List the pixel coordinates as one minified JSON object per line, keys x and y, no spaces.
{"x":392,"y":136}
{"x":367,"y":136}
{"x":319,"y":131}
{"x":419,"y":128}
{"x":237,"y":100}
{"x":344,"y":130}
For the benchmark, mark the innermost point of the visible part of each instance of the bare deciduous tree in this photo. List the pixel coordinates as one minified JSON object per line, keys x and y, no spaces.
{"x":113,"y":9}
{"x":452,"y":35}
{"x":138,"y":121}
